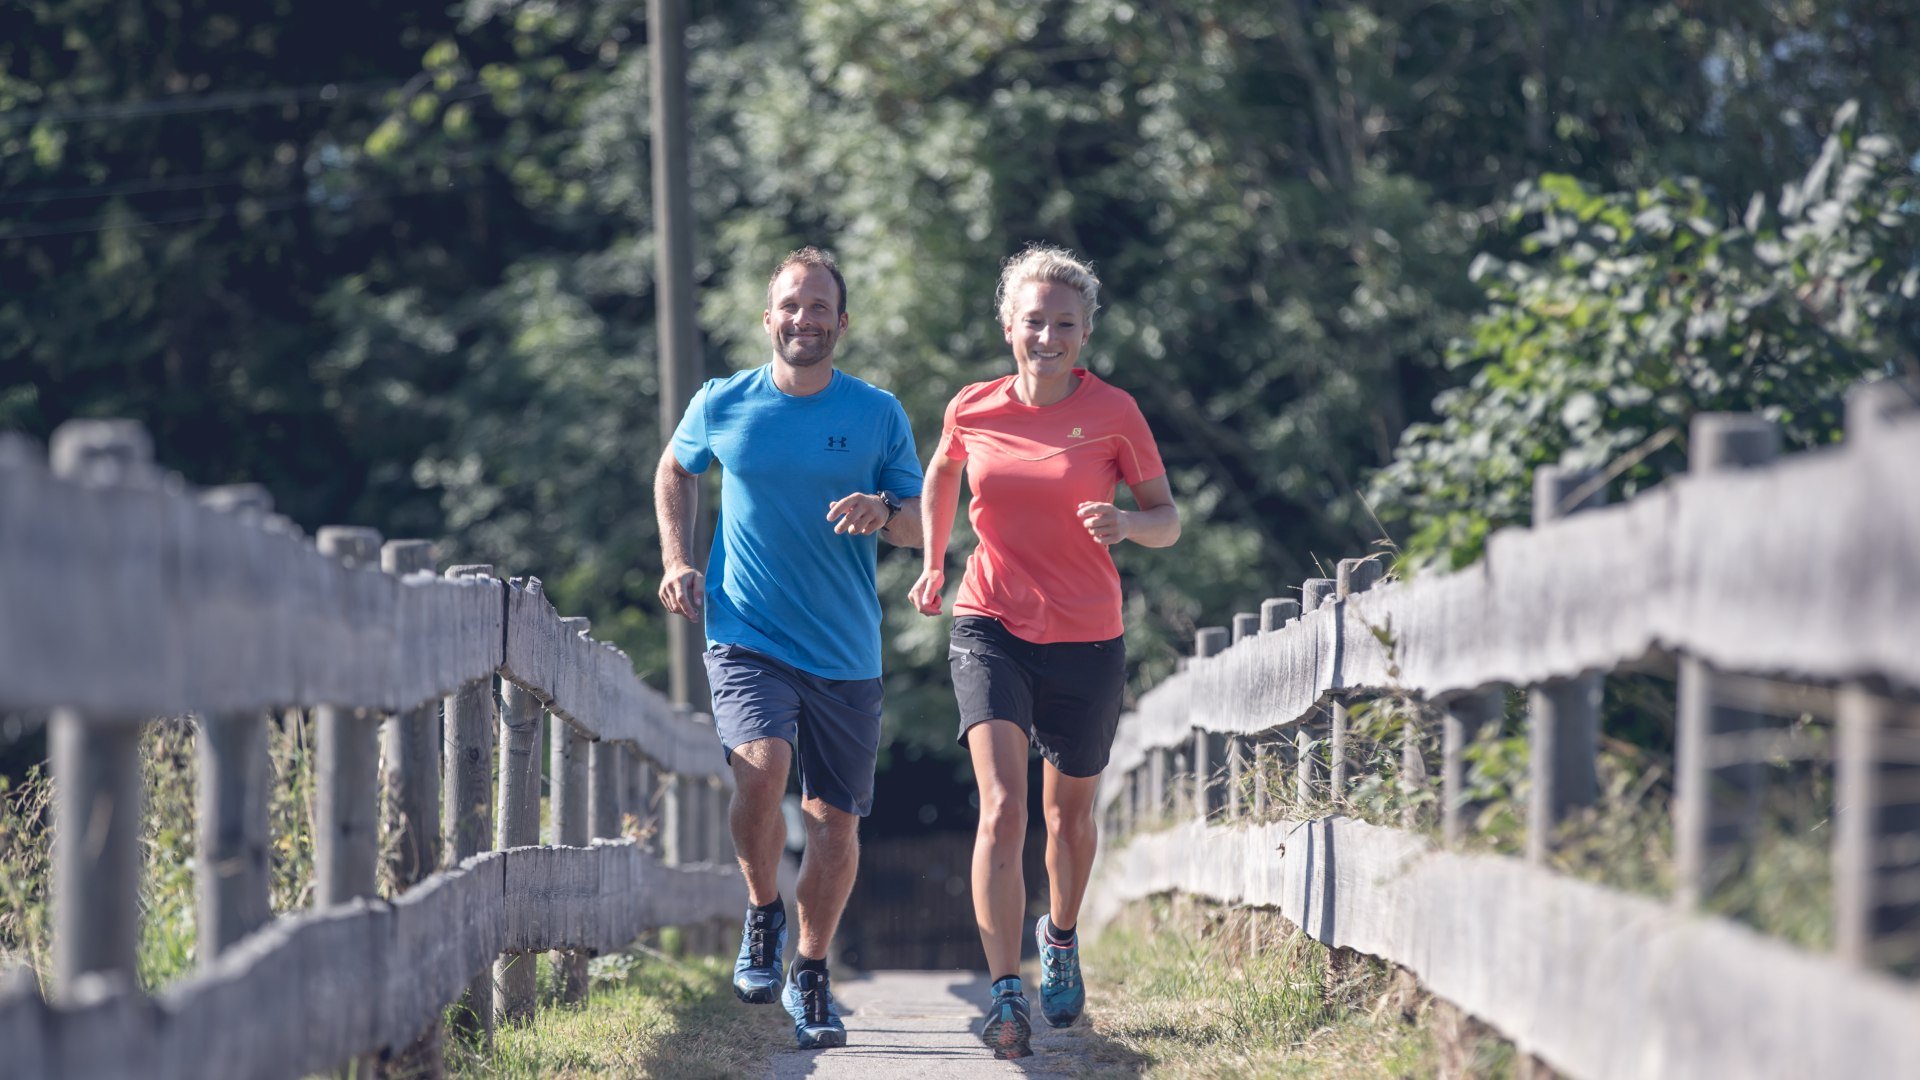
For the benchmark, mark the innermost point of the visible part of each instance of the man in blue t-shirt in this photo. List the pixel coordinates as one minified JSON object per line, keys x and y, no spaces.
{"x":817,"y":465}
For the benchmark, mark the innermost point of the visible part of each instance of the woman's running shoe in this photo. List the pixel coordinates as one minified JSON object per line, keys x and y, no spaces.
{"x":1062,"y":995}
{"x":1008,"y":1028}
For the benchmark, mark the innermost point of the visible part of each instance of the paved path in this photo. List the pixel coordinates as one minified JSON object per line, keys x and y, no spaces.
{"x":919,"y":1024}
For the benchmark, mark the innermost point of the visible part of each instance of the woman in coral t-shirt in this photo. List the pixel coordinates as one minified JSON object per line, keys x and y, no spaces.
{"x":1037,"y":651}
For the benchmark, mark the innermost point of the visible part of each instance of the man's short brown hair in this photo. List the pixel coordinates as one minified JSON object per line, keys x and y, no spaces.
{"x":809,"y":256}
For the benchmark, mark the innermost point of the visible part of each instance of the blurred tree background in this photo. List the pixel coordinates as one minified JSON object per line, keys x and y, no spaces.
{"x":395,"y":261}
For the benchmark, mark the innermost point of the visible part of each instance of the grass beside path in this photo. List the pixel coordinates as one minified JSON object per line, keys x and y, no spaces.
{"x":649,"y":1015}
{"x":1175,"y":984}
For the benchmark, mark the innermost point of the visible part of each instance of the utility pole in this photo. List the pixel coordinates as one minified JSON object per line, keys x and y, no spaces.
{"x":673,"y":294}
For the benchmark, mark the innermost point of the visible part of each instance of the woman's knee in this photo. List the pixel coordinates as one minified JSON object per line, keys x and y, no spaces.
{"x":1070,"y":825}
{"x":1001,"y":815}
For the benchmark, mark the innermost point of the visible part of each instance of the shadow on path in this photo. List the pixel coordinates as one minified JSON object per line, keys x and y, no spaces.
{"x":920,"y":1025}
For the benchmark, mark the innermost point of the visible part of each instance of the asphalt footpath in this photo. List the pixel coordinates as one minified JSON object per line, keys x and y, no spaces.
{"x":920,"y":1025}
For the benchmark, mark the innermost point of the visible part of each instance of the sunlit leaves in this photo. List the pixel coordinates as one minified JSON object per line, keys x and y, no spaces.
{"x":1633,"y":312}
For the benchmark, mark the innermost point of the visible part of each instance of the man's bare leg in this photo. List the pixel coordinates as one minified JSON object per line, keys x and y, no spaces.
{"x":759,"y":833}
{"x":826,"y":873}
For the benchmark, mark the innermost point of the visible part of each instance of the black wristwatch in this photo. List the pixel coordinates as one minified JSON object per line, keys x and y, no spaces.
{"x":893,"y":507}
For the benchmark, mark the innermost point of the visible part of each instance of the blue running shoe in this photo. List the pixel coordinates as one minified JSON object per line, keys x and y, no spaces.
{"x":756,"y":974}
{"x":809,"y":1000}
{"x":1009,"y":1026}
{"x":1062,"y":995}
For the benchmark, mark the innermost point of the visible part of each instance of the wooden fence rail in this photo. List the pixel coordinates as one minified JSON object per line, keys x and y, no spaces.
{"x":128,"y":596}
{"x":1804,"y":570}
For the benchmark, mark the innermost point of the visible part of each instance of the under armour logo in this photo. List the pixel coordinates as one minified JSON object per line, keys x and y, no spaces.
{"x":837,"y":443}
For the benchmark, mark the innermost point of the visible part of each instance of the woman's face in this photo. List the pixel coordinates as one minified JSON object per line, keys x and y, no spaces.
{"x":1049,"y":326}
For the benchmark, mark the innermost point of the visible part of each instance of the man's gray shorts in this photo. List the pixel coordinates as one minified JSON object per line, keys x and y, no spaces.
{"x":833,"y":725}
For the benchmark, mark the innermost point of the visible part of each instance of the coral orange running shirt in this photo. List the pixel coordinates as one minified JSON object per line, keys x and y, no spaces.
{"x":1036,"y":569}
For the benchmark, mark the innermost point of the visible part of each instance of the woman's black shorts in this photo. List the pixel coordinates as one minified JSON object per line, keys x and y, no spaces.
{"x":1066,"y":696}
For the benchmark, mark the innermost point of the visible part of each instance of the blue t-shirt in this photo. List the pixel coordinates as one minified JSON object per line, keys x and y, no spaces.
{"x":780,"y":581}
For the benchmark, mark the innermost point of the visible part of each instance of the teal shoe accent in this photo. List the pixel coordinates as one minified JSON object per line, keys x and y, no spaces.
{"x":1009,"y":1027}
{"x":1063,"y":996}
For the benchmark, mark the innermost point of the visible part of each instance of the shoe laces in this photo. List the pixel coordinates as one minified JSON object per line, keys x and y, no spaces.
{"x":815,"y":1000}
{"x":759,"y":933}
{"x":1062,"y":963}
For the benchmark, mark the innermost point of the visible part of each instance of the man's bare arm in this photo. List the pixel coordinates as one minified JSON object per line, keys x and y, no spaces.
{"x":675,"y":494}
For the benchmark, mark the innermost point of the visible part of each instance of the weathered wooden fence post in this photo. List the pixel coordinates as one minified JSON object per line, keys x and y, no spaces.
{"x":1355,"y":576}
{"x":1876,"y":858}
{"x":1239,"y":788}
{"x":466,"y":793}
{"x":1714,"y":802}
{"x":231,"y":872}
{"x":410,"y":780}
{"x":567,"y":772}
{"x":1159,"y":767}
{"x":1876,"y":854}
{"x":410,"y":756}
{"x":686,"y":807}
{"x":1269,"y":756}
{"x":603,"y":789}
{"x":708,"y":825}
{"x":1313,"y":593}
{"x":1462,"y":716}
{"x":96,"y":765}
{"x":346,"y":841}
{"x":1276,"y":612}
{"x":1564,"y":735}
{"x":1209,"y":795}
{"x":517,"y":825}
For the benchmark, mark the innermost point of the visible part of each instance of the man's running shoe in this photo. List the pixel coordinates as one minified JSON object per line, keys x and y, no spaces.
{"x":809,"y":1000}
{"x":756,"y":974}
{"x":1008,"y":1028}
{"x":1062,"y":995}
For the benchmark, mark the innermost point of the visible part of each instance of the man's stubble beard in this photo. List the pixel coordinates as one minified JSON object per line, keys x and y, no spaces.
{"x":792,"y":352}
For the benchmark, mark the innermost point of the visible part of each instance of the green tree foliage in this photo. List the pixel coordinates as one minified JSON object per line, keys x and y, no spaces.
{"x":1630,"y":313}
{"x":423,"y":298}
{"x":174,"y":211}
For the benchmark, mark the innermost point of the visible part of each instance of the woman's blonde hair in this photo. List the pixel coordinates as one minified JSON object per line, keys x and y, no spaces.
{"x":1054,"y":265}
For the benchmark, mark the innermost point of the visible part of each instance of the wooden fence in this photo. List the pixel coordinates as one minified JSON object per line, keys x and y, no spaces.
{"x":1768,"y":586}
{"x":127,"y":596}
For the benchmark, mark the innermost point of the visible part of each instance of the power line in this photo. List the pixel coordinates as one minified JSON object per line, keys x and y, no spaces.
{"x":215,"y":102}
{"x":125,"y":187}
{"x":211,"y":213}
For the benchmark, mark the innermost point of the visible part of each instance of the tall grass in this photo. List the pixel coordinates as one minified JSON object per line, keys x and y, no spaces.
{"x":26,"y":868}
{"x":650,"y":1015}
{"x":168,"y":944}
{"x":1780,"y":884}
{"x":1194,"y":990}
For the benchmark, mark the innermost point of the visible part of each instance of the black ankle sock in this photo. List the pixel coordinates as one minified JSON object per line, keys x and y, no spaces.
{"x":1058,"y":936}
{"x":770,"y":909}
{"x":808,"y":963}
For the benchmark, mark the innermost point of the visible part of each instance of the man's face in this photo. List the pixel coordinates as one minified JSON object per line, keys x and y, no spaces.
{"x":805,"y":321}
